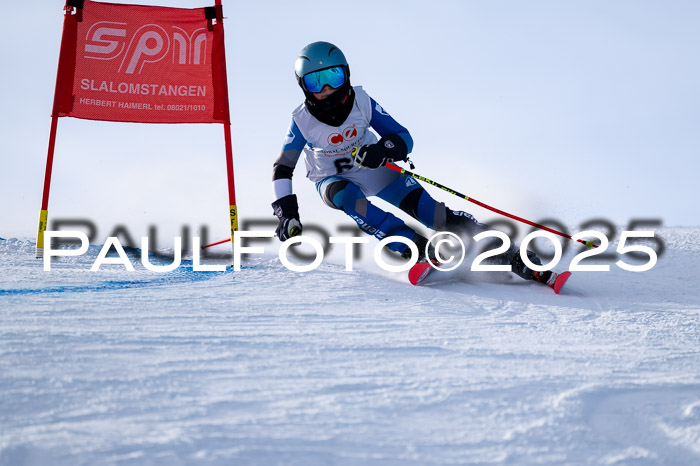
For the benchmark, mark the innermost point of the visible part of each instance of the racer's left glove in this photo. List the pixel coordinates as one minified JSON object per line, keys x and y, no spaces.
{"x":390,"y":148}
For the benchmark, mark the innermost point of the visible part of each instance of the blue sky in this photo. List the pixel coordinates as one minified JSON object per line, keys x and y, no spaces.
{"x":545,"y":109}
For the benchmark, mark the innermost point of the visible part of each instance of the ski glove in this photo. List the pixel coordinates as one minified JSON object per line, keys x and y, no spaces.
{"x":287,"y":211}
{"x":390,"y":148}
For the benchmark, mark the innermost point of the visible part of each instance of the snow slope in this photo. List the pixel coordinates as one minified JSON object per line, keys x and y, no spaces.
{"x":270,"y":366}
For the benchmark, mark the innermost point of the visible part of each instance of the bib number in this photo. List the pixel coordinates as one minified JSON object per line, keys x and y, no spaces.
{"x":343,"y":164}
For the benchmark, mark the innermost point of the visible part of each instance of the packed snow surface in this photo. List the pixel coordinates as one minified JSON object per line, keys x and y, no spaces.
{"x":270,"y":366}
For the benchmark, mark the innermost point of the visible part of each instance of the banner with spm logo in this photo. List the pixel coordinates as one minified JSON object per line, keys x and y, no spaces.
{"x":144,"y":64}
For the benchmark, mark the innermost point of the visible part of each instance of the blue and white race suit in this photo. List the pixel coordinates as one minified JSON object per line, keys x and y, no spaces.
{"x":342,"y":185}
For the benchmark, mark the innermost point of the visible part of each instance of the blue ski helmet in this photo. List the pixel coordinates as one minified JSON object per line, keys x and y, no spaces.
{"x":319,"y":56}
{"x":311,"y":63}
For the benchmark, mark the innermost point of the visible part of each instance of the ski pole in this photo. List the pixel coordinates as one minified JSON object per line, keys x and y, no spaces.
{"x":403,"y":171}
{"x":485,"y":206}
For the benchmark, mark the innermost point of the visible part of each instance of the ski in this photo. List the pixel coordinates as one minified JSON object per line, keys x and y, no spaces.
{"x":419,"y":272}
{"x":557,"y":281}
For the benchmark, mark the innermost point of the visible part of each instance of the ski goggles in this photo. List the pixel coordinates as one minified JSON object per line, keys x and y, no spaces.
{"x":315,"y":81}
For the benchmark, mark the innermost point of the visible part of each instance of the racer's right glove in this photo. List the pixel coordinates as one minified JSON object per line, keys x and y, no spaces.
{"x":287,"y":211}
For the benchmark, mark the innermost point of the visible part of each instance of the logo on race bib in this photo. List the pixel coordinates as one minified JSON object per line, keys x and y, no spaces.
{"x":335,"y":139}
{"x":348,"y":134}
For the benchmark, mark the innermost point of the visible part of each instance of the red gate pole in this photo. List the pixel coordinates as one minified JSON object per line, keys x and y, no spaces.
{"x":44,"y":214}
{"x":220,"y":73}
{"x":233,"y":211}
{"x":62,"y":99}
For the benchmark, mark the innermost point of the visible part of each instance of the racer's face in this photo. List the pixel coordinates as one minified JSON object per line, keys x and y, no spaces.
{"x":325,"y":92}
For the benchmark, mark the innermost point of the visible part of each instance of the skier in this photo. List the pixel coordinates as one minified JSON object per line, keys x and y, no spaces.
{"x":346,"y":161}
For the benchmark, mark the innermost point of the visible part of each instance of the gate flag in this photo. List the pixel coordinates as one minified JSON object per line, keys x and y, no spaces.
{"x":144,"y":64}
{"x":141,"y":64}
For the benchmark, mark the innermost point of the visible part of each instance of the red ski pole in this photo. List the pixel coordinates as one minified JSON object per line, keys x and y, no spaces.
{"x":485,"y":206}
{"x":470,"y":199}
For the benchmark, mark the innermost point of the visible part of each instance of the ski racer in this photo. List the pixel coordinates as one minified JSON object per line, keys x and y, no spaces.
{"x":346,"y":162}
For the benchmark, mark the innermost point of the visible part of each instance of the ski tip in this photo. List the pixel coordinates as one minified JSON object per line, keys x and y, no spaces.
{"x":560,"y":281}
{"x":418,"y":272}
